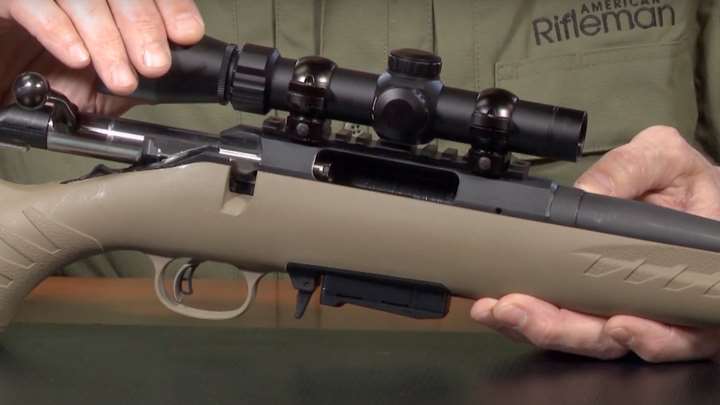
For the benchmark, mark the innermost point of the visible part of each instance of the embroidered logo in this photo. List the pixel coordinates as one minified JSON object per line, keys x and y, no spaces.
{"x":603,"y":17}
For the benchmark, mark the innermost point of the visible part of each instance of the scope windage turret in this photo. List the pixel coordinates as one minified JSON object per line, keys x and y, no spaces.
{"x":406,"y":105}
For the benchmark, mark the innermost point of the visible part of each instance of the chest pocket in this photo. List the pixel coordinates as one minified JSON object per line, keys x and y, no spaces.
{"x":626,"y":77}
{"x":624,"y":89}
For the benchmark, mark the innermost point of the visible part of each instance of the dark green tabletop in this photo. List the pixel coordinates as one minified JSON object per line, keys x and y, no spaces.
{"x":82,"y":364}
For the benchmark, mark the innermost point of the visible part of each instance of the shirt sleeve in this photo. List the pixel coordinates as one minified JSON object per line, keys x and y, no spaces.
{"x":708,"y":78}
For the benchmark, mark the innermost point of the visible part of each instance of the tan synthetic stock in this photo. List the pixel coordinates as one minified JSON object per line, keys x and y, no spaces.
{"x":188,"y":212}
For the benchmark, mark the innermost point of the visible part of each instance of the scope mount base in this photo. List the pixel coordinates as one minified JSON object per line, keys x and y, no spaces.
{"x":476,"y":161}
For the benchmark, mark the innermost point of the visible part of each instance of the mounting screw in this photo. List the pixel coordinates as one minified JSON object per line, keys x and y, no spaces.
{"x":484,"y":163}
{"x":302,"y":129}
{"x":321,"y":171}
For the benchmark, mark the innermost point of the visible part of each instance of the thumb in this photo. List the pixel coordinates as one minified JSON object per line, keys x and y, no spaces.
{"x":596,"y":181}
{"x":651,"y":161}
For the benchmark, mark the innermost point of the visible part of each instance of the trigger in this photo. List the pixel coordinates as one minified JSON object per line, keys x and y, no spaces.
{"x":183,"y":280}
{"x":306,"y":282}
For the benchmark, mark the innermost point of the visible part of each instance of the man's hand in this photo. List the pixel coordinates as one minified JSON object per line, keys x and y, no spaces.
{"x":119,"y":38}
{"x":659,"y":167}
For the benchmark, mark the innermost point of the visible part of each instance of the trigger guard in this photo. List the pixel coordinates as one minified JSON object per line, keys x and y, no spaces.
{"x":161,"y":265}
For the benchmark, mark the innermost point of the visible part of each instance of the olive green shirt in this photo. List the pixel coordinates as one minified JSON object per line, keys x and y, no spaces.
{"x":630,"y":63}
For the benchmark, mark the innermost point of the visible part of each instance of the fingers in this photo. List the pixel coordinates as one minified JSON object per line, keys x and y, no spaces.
{"x":120,"y":37}
{"x":145,"y":29}
{"x":655,"y":342}
{"x":525,"y":318}
{"x":547,"y":326}
{"x":143,"y":33}
{"x":183,"y":21}
{"x":53,"y":29}
{"x":652,"y":160}
{"x":95,"y":23}
{"x":481,"y":311}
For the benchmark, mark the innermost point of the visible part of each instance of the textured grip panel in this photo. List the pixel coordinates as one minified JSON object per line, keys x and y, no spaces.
{"x":32,"y":246}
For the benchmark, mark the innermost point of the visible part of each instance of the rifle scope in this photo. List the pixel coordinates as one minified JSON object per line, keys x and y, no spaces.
{"x":407,"y":105}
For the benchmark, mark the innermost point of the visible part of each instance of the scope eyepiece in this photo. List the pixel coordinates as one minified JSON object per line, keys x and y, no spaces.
{"x":548,"y":131}
{"x":503,"y":123}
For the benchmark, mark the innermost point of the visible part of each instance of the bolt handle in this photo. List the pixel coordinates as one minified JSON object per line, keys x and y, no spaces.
{"x":33,"y":92}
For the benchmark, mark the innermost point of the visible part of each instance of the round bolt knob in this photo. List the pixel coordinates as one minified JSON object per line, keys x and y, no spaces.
{"x":31,"y":90}
{"x":414,"y":62}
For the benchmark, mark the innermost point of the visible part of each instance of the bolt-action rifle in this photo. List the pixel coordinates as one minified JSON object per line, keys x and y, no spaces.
{"x":392,"y":223}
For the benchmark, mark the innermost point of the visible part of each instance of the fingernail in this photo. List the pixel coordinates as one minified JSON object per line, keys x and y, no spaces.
{"x":622,"y":336}
{"x":79,"y":53}
{"x":480,"y":314}
{"x":595,"y":183}
{"x":512,"y":315}
{"x":122,"y":76}
{"x":155,"y":55}
{"x":187,"y":23}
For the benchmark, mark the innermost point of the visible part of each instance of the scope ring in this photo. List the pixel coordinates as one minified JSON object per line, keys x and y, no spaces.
{"x":309,"y":86}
